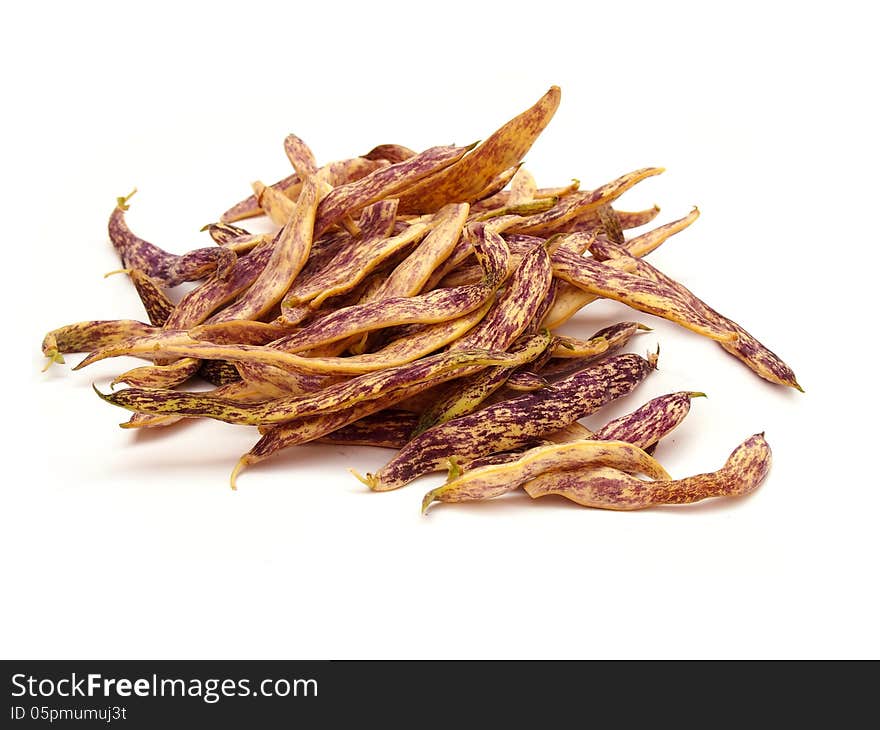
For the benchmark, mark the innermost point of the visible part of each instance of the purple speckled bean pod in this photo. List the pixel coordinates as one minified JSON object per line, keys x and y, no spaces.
{"x":467,"y":394}
{"x":515,"y":307}
{"x":167,"y":268}
{"x":436,"y":368}
{"x":389,"y":428}
{"x":492,"y":481}
{"x":608,"y":488}
{"x":392,"y":153}
{"x":647,"y":425}
{"x":289,"y":255}
{"x":225,"y":233}
{"x":610,"y":281}
{"x":156,"y":302}
{"x":508,"y":424}
{"x":503,"y":149}
{"x":383,"y":183}
{"x":300,"y":155}
{"x":590,"y":221}
{"x":741,"y":344}
{"x":92,"y":335}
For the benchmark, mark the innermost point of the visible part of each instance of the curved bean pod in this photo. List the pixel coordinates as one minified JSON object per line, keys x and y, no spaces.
{"x":739,"y":343}
{"x":635,"y":291}
{"x":492,"y":481}
{"x":610,"y":488}
{"x":645,"y":426}
{"x":167,"y":268}
{"x":501,"y":150}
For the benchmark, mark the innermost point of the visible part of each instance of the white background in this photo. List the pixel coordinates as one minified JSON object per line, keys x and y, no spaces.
{"x":122,"y":545}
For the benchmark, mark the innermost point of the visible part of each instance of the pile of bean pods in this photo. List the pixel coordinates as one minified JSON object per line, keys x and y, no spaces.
{"x":409,"y":300}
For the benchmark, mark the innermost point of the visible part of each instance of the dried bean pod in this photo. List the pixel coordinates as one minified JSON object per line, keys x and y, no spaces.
{"x":647,"y":425}
{"x":739,"y":343}
{"x":219,"y":372}
{"x":389,"y":428}
{"x":383,"y":183}
{"x":167,"y":268}
{"x":288,"y":257}
{"x":489,"y":482}
{"x":609,"y":488}
{"x":156,"y":302}
{"x":393,"y":153}
{"x":410,"y":276}
{"x":469,"y":393}
{"x":225,"y":233}
{"x":94,"y":334}
{"x":502,"y":150}
{"x":507,"y":424}
{"x":436,"y":368}
{"x":169,"y":375}
{"x":644,"y":295}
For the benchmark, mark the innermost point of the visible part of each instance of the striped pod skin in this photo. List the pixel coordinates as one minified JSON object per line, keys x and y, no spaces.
{"x":522,"y":188}
{"x":288,"y":257}
{"x":371,"y":386}
{"x":410,"y":276}
{"x":302,"y":430}
{"x":383,"y":183}
{"x":497,"y":183}
{"x":503,"y":149}
{"x":488,"y":482}
{"x":389,"y":428}
{"x":167,"y":268}
{"x":439,"y":305}
{"x":236,"y":391}
{"x":275,"y":204}
{"x":250,"y":206}
{"x":515,"y":307}
{"x":645,"y":426}
{"x":571,"y":299}
{"x":607,"y":280}
{"x":554,"y":220}
{"x":92,"y":335}
{"x":225,"y":233}
{"x":591,"y":221}
{"x":507,"y":424}
{"x":572,"y":432}
{"x":610,"y":488}
{"x":469,"y":393}
{"x":218,"y":372}
{"x":741,"y":345}
{"x":603,"y":343}
{"x":301,"y":157}
{"x":156,"y":303}
{"x":435,"y":306}
{"x":333,"y":267}
{"x":392,"y":153}
{"x":502,"y":197}
{"x":200,"y":303}
{"x":168,"y":375}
